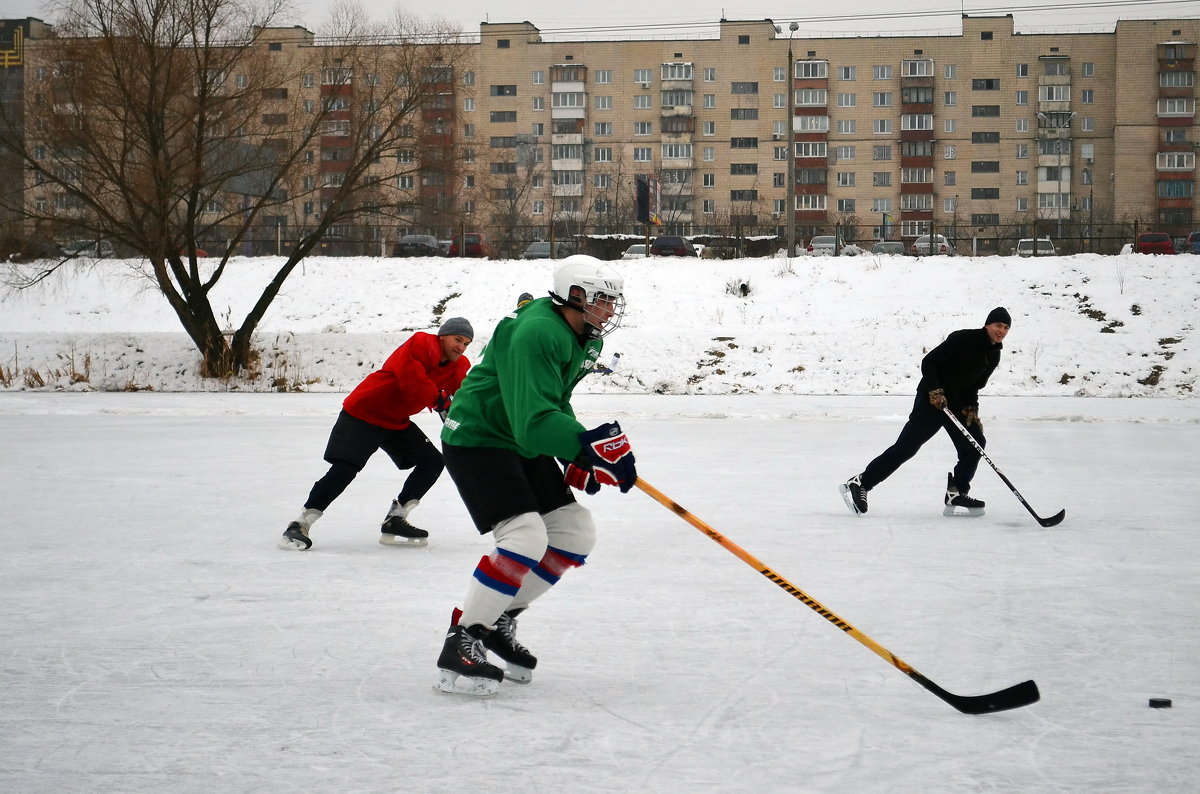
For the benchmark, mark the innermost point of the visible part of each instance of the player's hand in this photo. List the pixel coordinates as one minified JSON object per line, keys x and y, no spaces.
{"x":608,"y":451}
{"x":937,"y":398}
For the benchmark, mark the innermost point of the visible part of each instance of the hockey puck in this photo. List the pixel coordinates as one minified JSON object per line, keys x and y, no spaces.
{"x":1160,"y":703}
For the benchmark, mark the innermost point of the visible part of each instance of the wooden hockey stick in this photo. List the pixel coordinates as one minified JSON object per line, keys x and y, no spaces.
{"x":1015,"y":696}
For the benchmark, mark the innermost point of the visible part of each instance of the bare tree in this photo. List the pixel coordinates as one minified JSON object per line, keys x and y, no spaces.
{"x":168,"y":122}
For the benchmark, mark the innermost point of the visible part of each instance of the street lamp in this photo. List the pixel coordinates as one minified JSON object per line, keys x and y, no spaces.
{"x":790,"y":203}
{"x":1059,"y":124}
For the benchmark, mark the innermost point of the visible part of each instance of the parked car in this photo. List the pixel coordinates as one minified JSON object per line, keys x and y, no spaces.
{"x":941,"y":245}
{"x":94,"y":249}
{"x":1153,"y":243}
{"x":822,"y":245}
{"x":417,"y":245}
{"x":444,"y":246}
{"x":1191,"y":244}
{"x":889,"y":247}
{"x":635,"y":251}
{"x":672,"y":246}
{"x":1045,"y":247}
{"x":470,"y":244}
{"x":541,"y":249}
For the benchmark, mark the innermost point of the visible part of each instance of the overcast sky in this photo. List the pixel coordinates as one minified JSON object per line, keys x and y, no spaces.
{"x":622,"y":18}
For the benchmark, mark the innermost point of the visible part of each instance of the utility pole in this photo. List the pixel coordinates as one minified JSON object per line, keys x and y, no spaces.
{"x":791,"y":139}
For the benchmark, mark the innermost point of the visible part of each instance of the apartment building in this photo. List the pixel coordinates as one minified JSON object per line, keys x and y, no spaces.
{"x":888,"y":136}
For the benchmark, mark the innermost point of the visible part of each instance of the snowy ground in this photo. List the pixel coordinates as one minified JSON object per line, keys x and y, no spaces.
{"x":154,"y":639}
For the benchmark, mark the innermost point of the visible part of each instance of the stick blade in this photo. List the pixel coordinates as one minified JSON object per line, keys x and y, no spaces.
{"x":1015,"y":697}
{"x":1053,"y":520}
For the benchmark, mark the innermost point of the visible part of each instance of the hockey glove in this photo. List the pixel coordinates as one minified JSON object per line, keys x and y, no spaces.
{"x":970,"y":416}
{"x":580,"y":477}
{"x":442,"y":405}
{"x":607,"y":453}
{"x":937,"y":398}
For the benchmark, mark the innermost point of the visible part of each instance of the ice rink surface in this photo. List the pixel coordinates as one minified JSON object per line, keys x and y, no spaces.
{"x":154,"y":639}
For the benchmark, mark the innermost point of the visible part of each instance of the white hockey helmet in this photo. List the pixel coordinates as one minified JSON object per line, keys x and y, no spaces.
{"x":592,"y":282}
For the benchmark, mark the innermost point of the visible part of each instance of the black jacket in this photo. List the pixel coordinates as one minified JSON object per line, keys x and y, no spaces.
{"x":960,"y":366}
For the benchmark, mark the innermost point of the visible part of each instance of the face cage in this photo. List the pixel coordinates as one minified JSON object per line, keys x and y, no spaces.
{"x":601,"y":329}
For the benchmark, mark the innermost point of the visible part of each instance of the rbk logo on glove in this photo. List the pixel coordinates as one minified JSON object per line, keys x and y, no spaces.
{"x":607,"y":452}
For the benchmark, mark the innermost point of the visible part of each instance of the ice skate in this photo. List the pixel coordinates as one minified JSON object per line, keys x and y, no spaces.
{"x":295,"y":537}
{"x":502,"y":641}
{"x":463,"y":668}
{"x":956,"y":501}
{"x":855,"y":495}
{"x":396,"y":531}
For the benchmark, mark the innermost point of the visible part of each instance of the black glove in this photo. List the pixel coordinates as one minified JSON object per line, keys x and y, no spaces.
{"x":970,"y":416}
{"x":442,"y":405}
{"x":937,"y":398}
{"x":606,"y":452}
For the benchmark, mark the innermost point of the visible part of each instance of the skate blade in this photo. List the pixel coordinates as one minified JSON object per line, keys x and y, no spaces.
{"x":971,"y":512}
{"x":518,"y":674}
{"x":397,"y":540}
{"x":455,"y":684}
{"x":287,"y":544}
{"x":849,"y":499}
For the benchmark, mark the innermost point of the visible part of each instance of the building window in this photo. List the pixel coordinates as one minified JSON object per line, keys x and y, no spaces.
{"x":539,"y":77}
{"x":845,"y":179}
{"x":812,"y":149}
{"x":604,"y":103}
{"x":812,"y":202}
{"x":950,"y":71}
{"x":847,"y":126}
{"x":743,"y":169}
{"x":1022,"y":98}
{"x":812,"y":124}
{"x":882,"y":126}
{"x":847,"y":100}
{"x":743,"y":88}
{"x":643,"y":128}
{"x":602,"y":154}
{"x":988,"y":111}
{"x":709,"y":154}
{"x":743,"y":143}
{"x":642,"y":154}
{"x":881,"y":152}
{"x":985,"y":193}
{"x":1175,"y":161}
{"x":881,"y":72}
{"x":743,"y":195}
{"x":708,"y":180}
{"x":950,"y":98}
{"x":602,"y":128}
{"x":779,"y":101}
{"x":812,"y":69}
{"x":469,"y":104}
{"x":845,"y":205}
{"x":1177,"y":106}
{"x":881,"y":205}
{"x":881,"y":179}
{"x":916,"y":121}
{"x":642,"y":102}
{"x":1088,"y":124}
{"x":950,"y":178}
{"x":743,"y":114}
{"x":710,"y":101}
{"x":709,"y":128}
{"x":882,"y":99}
{"x":1022,"y":70}
{"x":603,"y":76}
{"x":1022,"y":177}
{"x":812,"y":97}
{"x":1181,"y":79}
{"x":1087,"y":96}
{"x":950,"y":125}
{"x":503,"y":90}
{"x":642,"y":76}
{"x":985,"y":167}
{"x":949,"y":151}
{"x":781,"y":152}
{"x":986,"y":84}
{"x":1088,"y":70}
{"x":1022,"y":204}
{"x":847,"y":72}
{"x":780,"y":74}
{"x":678,"y":151}
{"x":845,"y":153}
{"x":710,"y":75}
{"x":985,"y":219}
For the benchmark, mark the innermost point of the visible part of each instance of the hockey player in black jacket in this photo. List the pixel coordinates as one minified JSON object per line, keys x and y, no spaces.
{"x":951,"y":375}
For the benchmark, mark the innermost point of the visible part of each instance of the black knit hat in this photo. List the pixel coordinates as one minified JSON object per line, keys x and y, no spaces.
{"x":998,"y":315}
{"x":457,"y":325}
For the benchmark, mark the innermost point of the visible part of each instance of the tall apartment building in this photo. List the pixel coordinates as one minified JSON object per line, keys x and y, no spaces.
{"x":1062,"y":132}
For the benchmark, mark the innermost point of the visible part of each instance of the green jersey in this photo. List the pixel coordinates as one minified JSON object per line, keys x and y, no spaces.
{"x":518,"y":397}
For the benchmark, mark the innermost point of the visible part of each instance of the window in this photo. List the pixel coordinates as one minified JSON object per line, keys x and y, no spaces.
{"x":708,"y":206}
{"x":743,"y":88}
{"x":743,"y":169}
{"x":845,"y":153}
{"x":950,"y":71}
{"x":568,"y":99}
{"x":709,"y":128}
{"x":847,"y":100}
{"x":845,"y":205}
{"x":847,"y":72}
{"x":602,"y":128}
{"x":642,"y":102}
{"x":812,"y":176}
{"x":1022,"y":177}
{"x":468,"y":130}
{"x":779,"y":101}
{"x":985,"y":219}
{"x":604,"y":103}
{"x":1022,"y":204}
{"x":882,"y":99}
{"x":676,"y":98}
{"x":676,"y":71}
{"x":503,"y":90}
{"x":812,"y":124}
{"x":985,"y":193}
{"x":469,"y":104}
{"x":708,"y":180}
{"x":916,"y":95}
{"x":950,"y":178}
{"x":812,"y":149}
{"x":743,"y":195}
{"x":1175,"y":188}
{"x":985,"y":166}
{"x":503,"y":116}
{"x":985,"y":137}
{"x":881,"y":72}
{"x":881,"y":153}
{"x":710,"y":75}
{"x":1022,"y":125}
{"x":779,"y":75}
{"x":538,"y":207}
{"x":1087,"y":96}
{"x":1181,"y":79}
{"x":1175,"y":161}
{"x":813,"y":69}
{"x":987,"y":111}
{"x":910,"y":176}
{"x":743,"y":143}
{"x":916,"y":68}
{"x":916,"y":121}
{"x":603,"y":76}
{"x":845,"y":179}
{"x":743,"y":114}
{"x":779,"y":128}
{"x":709,"y":153}
{"x":812,"y":202}
{"x":916,"y":201}
{"x":643,"y":128}
{"x":950,"y":125}
{"x":503,"y":44}
{"x":1088,"y":124}
{"x":1088,"y":69}
{"x":539,"y":77}
{"x":916,"y":148}
{"x":881,"y":179}
{"x":1177,"y":106}
{"x":810,"y":97}
{"x":743,"y":39}
{"x":677,"y":151}
{"x":985,"y":85}
{"x":950,"y":205}
{"x":642,"y":76}
{"x":847,"y":126}
{"x":602,"y":154}
{"x":710,"y":101}
{"x":642,"y":154}
{"x":1022,"y":70}
{"x":881,"y":205}
{"x":1057,"y":67}
{"x":781,"y":152}
{"x":949,"y":152}
{"x":950,"y":98}
{"x":1022,"y":98}
{"x":882,"y":126}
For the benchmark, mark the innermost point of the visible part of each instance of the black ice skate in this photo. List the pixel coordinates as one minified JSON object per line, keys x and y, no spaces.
{"x":296,"y":535}
{"x":396,"y":531}
{"x":855,"y":495}
{"x":955,"y":501}
{"x":502,"y":641}
{"x":463,"y":668}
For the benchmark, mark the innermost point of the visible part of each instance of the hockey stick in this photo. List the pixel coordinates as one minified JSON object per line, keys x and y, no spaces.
{"x":1053,"y":520}
{"x":1014,"y":697}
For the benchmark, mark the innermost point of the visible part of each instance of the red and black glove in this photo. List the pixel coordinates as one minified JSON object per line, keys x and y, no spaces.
{"x":441,"y":406}
{"x":606,"y":459}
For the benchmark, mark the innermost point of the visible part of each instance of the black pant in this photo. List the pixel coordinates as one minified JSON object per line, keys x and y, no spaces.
{"x":352,"y":442}
{"x":923,"y":424}
{"x":497,"y":484}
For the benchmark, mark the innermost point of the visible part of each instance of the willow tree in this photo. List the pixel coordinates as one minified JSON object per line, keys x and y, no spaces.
{"x":160,"y":123}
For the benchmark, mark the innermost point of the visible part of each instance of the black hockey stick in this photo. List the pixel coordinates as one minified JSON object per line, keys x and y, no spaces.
{"x":1053,"y":520}
{"x":1014,"y":697}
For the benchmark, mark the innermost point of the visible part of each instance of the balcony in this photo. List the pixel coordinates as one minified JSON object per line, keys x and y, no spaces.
{"x":567,"y":164}
{"x":566,"y":190}
{"x":566,"y":139}
{"x":675,"y":111}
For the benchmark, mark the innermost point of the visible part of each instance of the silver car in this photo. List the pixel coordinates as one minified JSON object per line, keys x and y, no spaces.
{"x":941,"y":245}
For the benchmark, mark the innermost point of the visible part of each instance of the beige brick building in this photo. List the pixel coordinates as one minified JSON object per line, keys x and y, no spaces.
{"x":989,"y":135}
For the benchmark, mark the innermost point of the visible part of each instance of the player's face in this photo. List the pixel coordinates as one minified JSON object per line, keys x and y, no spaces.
{"x":996,"y":331}
{"x":453,"y":346}
{"x":601,"y":310}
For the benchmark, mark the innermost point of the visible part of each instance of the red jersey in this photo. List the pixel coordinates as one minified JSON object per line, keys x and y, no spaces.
{"x":410,"y":381}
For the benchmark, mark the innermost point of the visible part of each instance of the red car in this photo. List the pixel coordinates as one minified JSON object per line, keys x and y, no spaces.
{"x":469,"y":244}
{"x":1153,"y":243}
